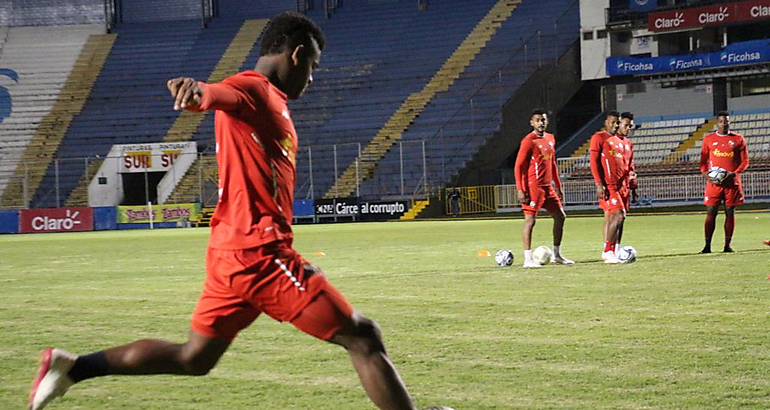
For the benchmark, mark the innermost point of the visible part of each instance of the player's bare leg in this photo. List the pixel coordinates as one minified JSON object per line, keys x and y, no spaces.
{"x":614,"y":220}
{"x":709,"y":226}
{"x":363,"y":341}
{"x":196,"y":357}
{"x":558,"y":231}
{"x":729,"y":227}
{"x":526,"y":235}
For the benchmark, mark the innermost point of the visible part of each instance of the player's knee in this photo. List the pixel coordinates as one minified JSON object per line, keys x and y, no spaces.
{"x":196,"y":363}
{"x":365,"y":337}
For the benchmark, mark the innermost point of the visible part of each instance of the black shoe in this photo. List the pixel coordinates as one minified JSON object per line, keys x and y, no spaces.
{"x":707,"y":249}
{"x":728,"y":250}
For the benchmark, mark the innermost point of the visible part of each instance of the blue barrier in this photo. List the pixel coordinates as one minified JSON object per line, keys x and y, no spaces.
{"x":748,"y":52}
{"x":9,"y":221}
{"x":304,"y":207}
{"x":105,"y":218}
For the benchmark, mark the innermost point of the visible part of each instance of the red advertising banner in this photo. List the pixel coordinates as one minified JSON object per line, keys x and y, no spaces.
{"x":720,"y":14}
{"x":56,"y":220}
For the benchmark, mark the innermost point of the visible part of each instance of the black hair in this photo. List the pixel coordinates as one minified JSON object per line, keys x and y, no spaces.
{"x":723,"y":114}
{"x":287,"y":31}
{"x":538,"y":111}
{"x":627,"y":115}
{"x":613,"y":114}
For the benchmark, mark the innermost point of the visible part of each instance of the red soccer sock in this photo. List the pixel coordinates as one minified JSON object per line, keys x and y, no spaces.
{"x":711,"y":223}
{"x":729,"y":229}
{"x":609,"y":246}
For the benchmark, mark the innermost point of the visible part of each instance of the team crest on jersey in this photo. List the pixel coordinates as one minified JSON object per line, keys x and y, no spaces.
{"x":286,"y":148}
{"x":614,"y":201}
{"x":731,"y":142}
{"x":532,"y":203}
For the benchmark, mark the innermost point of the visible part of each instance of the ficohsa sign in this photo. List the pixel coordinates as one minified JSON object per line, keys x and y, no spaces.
{"x":56,"y":220}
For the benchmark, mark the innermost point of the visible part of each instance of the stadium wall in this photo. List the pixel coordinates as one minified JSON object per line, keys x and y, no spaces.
{"x":656,"y":101}
{"x":51,"y":13}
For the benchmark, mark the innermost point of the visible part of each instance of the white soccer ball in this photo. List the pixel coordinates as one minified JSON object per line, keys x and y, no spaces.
{"x":542,"y":255}
{"x":627,"y":254}
{"x":504,"y":257}
{"x":717,"y":174}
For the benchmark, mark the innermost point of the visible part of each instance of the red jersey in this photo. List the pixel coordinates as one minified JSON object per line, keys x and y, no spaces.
{"x":608,"y":164}
{"x":725,"y":151}
{"x":256,"y":150}
{"x":536,"y":159}
{"x":628,"y":156}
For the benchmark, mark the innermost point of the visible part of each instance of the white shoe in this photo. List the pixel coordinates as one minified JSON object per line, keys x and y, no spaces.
{"x":530,"y":264}
{"x":558,"y":259}
{"x":609,"y":257}
{"x":51,"y":380}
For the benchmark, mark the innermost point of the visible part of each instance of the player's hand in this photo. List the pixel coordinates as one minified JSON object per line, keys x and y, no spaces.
{"x":729,"y":177}
{"x":560,"y":194}
{"x":523,"y":197}
{"x":601,"y":192}
{"x":185,"y":91}
{"x":634,"y":196}
{"x":632,"y":175}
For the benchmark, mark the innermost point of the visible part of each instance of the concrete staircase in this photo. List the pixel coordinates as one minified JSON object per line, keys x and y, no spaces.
{"x":690,"y":142}
{"x":416,"y":102}
{"x":417,"y":207}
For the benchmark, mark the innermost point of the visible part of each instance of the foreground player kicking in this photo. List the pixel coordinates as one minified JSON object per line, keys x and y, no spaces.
{"x":251,"y":267}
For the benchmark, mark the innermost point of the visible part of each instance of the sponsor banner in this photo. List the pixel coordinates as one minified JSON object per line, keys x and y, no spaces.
{"x":382,"y":210}
{"x":643,"y":5}
{"x":152,"y":157}
{"x":361,"y":209}
{"x":56,"y":220}
{"x":160,"y":213}
{"x":750,"y":52}
{"x":720,"y":14}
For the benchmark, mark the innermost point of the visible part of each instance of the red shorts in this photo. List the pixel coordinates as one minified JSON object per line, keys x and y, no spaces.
{"x":732,"y":195}
{"x":542,"y":196}
{"x":274,"y":279}
{"x":615,"y":201}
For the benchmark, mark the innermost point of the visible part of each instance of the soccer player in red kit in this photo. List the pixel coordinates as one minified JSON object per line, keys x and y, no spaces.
{"x":628,"y":193}
{"x":724,"y":149}
{"x":251,"y":267}
{"x":608,"y":167}
{"x":536,"y":174}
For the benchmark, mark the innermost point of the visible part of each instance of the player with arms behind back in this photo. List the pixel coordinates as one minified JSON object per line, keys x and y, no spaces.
{"x":536,"y":174}
{"x":727,"y":150}
{"x":251,"y":267}
{"x":608,"y":167}
{"x":628,"y":193}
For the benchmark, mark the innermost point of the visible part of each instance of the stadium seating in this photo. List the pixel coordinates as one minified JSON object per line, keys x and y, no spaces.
{"x":43,"y":58}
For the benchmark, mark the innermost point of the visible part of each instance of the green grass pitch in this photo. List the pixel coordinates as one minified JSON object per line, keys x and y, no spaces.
{"x":675,"y":330}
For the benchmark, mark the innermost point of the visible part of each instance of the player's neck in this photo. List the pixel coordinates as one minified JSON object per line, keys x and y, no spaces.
{"x":537,"y":134}
{"x":270,"y":67}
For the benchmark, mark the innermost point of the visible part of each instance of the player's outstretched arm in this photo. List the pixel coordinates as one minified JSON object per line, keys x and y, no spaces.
{"x":185,"y":91}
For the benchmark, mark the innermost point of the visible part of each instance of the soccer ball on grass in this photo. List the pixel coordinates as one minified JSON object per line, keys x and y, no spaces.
{"x":504,"y":257}
{"x":542,"y":255}
{"x":627,"y":254}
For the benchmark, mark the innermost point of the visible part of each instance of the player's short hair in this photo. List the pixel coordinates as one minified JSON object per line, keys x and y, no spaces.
{"x":627,"y":115}
{"x":287,"y":31}
{"x":613,"y":114}
{"x":538,"y":111}
{"x":723,"y":114}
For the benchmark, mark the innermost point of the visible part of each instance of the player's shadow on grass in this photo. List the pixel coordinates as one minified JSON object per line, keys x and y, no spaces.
{"x":696,"y":253}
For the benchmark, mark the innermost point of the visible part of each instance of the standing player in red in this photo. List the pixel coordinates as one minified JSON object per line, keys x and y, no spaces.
{"x":536,"y":174}
{"x":724,"y":149}
{"x":608,"y":167}
{"x":628,"y":192}
{"x":251,"y":267}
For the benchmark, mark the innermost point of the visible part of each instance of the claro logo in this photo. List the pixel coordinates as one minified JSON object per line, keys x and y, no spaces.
{"x":45,"y":223}
{"x":717,"y":17}
{"x":674,"y":22}
{"x":760,"y":11}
